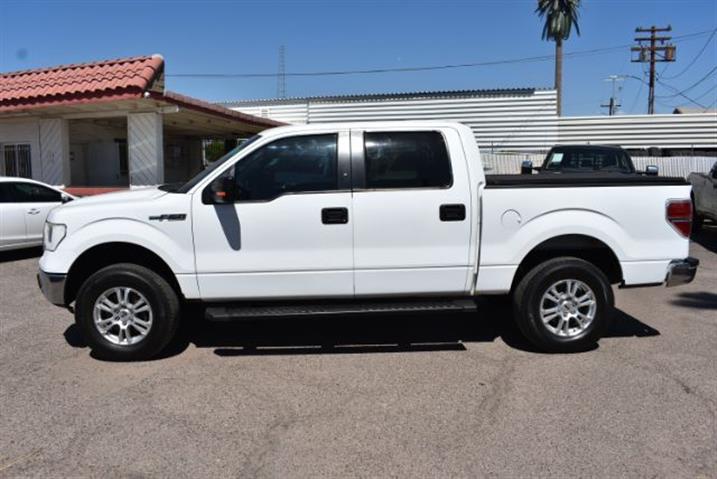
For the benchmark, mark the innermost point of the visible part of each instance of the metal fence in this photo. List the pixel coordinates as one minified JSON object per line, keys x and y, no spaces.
{"x":509,"y":163}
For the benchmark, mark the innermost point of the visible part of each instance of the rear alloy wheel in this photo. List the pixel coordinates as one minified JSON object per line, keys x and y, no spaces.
{"x":563,"y":305}
{"x":568,"y":308}
{"x":127,"y":312}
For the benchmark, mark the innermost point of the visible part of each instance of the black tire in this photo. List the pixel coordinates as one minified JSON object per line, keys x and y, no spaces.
{"x":528,"y":295}
{"x":159,"y":294}
{"x":697,"y":222}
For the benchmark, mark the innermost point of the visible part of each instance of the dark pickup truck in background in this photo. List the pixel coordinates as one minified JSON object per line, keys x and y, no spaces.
{"x":585,"y":159}
{"x":704,"y":196}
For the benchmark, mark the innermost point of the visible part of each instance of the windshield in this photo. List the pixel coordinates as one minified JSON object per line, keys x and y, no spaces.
{"x":209,"y":169}
{"x":591,"y":160}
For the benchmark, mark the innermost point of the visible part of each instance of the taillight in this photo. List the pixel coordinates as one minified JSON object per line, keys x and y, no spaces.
{"x":679,"y":215}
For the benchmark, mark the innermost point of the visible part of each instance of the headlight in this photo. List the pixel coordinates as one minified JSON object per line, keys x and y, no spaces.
{"x":53,"y":235}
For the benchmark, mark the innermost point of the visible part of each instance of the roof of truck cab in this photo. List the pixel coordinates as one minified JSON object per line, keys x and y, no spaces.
{"x":365,"y":125}
{"x":587,"y":147}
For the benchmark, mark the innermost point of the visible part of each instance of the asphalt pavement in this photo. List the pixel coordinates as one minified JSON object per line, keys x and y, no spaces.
{"x":403,"y":396}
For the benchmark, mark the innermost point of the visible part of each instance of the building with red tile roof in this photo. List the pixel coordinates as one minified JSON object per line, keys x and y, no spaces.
{"x":108,"y":124}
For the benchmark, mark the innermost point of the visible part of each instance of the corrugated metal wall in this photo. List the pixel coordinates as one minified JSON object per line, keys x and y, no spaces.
{"x":296,"y":113}
{"x":642,"y":131}
{"x":516,"y":121}
{"x":503,"y":122}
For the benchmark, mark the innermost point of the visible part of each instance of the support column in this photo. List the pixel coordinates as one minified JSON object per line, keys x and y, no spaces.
{"x":54,"y":152}
{"x":145,"y":147}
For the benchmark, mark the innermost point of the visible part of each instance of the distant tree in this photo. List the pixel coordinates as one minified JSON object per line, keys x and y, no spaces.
{"x":213,"y":150}
{"x":560,"y":17}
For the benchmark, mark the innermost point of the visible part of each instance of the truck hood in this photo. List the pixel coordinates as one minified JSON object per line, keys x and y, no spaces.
{"x":131,"y":196}
{"x":134,"y":204}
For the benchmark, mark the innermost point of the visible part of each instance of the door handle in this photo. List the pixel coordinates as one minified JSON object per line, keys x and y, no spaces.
{"x":33,"y":211}
{"x":335,"y":216}
{"x":455,"y":212}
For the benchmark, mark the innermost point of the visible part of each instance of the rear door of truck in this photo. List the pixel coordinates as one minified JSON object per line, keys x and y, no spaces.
{"x":411,"y":205}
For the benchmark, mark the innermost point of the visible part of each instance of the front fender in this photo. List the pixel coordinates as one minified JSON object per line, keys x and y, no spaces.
{"x":171,"y":241}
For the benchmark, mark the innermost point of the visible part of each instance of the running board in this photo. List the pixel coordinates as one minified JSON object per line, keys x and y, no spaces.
{"x":240,"y":311}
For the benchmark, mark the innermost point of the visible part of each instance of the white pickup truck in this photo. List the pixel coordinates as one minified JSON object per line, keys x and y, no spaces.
{"x":363,"y":218}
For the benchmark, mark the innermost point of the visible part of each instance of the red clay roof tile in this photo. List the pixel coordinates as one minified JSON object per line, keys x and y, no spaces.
{"x":79,"y":82}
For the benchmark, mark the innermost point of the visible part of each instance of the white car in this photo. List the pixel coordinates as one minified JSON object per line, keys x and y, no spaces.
{"x":363,"y":218}
{"x":24,"y":206}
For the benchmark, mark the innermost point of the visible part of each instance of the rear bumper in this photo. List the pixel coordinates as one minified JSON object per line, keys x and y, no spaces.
{"x":52,"y":286}
{"x":681,"y":271}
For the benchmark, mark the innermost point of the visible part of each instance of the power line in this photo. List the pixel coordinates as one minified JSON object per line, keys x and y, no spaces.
{"x":707,"y":92}
{"x":637,"y":97}
{"x":540,"y":58}
{"x":691,"y":100}
{"x":614,"y":104}
{"x":647,"y":49}
{"x":680,"y":93}
{"x":694,"y":60}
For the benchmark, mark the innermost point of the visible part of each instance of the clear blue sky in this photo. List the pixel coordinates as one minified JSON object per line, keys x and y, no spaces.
{"x":244,"y":37}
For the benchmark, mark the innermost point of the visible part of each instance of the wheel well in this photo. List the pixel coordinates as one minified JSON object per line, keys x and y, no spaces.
{"x":107,"y":254}
{"x":578,"y":246}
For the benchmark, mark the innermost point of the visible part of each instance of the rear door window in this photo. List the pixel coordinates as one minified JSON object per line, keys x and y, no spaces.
{"x":406,"y":160}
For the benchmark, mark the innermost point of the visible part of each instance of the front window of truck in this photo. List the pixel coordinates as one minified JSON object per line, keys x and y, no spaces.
{"x":186,"y":187}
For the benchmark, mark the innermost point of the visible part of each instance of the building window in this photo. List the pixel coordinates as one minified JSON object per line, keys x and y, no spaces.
{"x":123,"y":157}
{"x":16,"y":160}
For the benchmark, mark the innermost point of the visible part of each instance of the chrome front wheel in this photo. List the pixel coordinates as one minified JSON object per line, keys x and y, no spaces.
{"x":122,"y":315}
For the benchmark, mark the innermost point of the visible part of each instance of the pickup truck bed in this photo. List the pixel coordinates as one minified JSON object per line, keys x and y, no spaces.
{"x":570,"y":180}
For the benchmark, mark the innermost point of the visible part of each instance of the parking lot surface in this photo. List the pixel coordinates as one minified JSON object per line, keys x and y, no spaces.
{"x":404,"y":396}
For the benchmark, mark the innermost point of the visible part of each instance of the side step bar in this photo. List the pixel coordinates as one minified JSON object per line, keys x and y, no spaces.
{"x":239,"y":311}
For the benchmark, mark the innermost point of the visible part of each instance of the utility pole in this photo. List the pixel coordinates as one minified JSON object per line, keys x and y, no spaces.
{"x":614,"y":102}
{"x":647,"y":51}
{"x":281,"y":77}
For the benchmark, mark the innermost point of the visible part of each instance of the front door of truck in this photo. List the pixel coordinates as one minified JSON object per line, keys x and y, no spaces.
{"x":288,"y":233}
{"x":411,"y":207}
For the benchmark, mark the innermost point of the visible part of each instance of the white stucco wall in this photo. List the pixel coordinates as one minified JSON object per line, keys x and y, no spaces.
{"x":146,"y":149}
{"x":95,"y":154}
{"x":23,"y":131}
{"x":54,"y":152}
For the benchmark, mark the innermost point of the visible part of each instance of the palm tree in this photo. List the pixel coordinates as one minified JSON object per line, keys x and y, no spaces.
{"x":560,"y":16}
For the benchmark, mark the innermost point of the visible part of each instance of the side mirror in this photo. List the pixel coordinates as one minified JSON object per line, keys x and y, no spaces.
{"x":526,"y":167}
{"x":220,"y":191}
{"x":65,"y":199}
{"x":652,"y":170}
